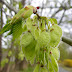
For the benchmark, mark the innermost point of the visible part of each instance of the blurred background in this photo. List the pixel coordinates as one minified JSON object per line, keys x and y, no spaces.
{"x":59,"y":9}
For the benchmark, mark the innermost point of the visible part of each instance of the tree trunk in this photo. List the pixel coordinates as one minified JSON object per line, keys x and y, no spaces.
{"x":23,"y":64}
{"x":7,"y":66}
{"x":1,"y":39}
{"x":23,"y":2}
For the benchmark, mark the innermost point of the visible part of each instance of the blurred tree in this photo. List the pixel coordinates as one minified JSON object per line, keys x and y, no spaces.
{"x":1,"y":25}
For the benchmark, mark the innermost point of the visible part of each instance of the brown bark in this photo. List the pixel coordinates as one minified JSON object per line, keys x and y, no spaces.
{"x":16,"y":58}
{"x":66,"y":40}
{"x":1,"y":39}
{"x":23,"y":64}
{"x":7,"y":67}
{"x":23,"y":2}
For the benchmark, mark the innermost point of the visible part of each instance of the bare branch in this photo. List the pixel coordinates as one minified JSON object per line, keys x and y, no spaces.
{"x":66,"y":40}
{"x":11,"y":8}
{"x":61,"y":17}
{"x":42,"y":7}
{"x":56,"y":12}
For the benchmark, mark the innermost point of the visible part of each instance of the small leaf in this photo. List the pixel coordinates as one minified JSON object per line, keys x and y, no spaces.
{"x":10,"y":53}
{"x":29,"y":23}
{"x":26,"y":39}
{"x":17,"y":30}
{"x":35,"y":20}
{"x":29,"y":51}
{"x":55,"y":34}
{"x":37,"y":33}
{"x":3,"y":62}
{"x":43,"y":39}
{"x":43,"y":69}
{"x":5,"y":9}
{"x":6,"y":28}
{"x":56,"y":53}
{"x":54,"y":63}
{"x":53,"y":21}
{"x":21,"y":55}
{"x":36,"y":68}
{"x":24,"y":28}
{"x":50,"y":67}
{"x":20,"y":5}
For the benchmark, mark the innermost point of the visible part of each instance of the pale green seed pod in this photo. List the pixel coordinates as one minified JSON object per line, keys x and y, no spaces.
{"x":56,"y":53}
{"x":36,"y":68}
{"x":43,"y":39}
{"x":55,"y":34}
{"x":37,"y":33}
{"x":29,"y":23}
{"x":29,"y":51}
{"x":26,"y":39}
{"x":43,"y":69}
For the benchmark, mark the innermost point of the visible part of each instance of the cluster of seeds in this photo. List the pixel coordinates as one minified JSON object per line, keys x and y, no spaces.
{"x":39,"y":42}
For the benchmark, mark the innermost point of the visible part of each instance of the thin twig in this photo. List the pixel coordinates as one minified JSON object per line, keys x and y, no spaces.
{"x":38,"y":15}
{"x":10,"y":7}
{"x":42,"y":7}
{"x":61,"y":17}
{"x":56,"y":12}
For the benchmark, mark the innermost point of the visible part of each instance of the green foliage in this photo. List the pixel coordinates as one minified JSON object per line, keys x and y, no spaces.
{"x":27,"y":38}
{"x":55,"y":34}
{"x":54,"y":63}
{"x":53,"y":21}
{"x":43,"y":39}
{"x":38,"y":42}
{"x":42,"y":25}
{"x":20,"y":5}
{"x":56,"y":53}
{"x":17,"y":30}
{"x":29,"y":51}
{"x":36,"y":68}
{"x":9,"y":53}
{"x":36,"y":33}
{"x":43,"y":69}
{"x":21,"y":55}
{"x":17,"y":19}
{"x":24,"y":26}
{"x":50,"y":67}
{"x":6,"y":28}
{"x":29,"y":23}
{"x":4,"y":61}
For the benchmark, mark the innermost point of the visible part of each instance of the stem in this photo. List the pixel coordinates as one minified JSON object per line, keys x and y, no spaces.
{"x":38,"y":16}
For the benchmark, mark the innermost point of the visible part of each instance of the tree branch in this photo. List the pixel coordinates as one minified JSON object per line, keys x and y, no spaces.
{"x":60,"y":8}
{"x":67,"y":40}
{"x":56,"y":7}
{"x":11,"y":8}
{"x":56,"y":12}
{"x":61,"y":17}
